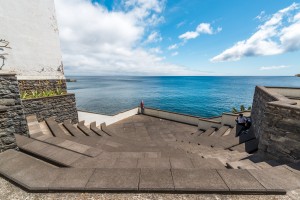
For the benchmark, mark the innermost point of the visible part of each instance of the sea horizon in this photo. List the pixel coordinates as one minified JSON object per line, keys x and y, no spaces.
{"x":203,"y":96}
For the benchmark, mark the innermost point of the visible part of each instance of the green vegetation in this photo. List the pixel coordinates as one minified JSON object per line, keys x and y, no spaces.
{"x":242,"y":109}
{"x":38,"y":94}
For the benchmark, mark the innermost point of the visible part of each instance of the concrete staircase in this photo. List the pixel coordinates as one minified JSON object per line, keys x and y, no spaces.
{"x":141,"y":153}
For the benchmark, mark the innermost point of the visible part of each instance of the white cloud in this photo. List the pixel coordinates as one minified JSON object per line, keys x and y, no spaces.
{"x":274,"y":67}
{"x":156,"y":50}
{"x":261,"y":15}
{"x":278,"y":35}
{"x":189,"y":35}
{"x":154,"y":37}
{"x":180,"y":24}
{"x":173,"y":46}
{"x":202,"y":28}
{"x":175,"y":53}
{"x":96,"y":41}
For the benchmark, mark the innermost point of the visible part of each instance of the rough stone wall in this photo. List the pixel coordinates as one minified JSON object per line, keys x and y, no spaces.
{"x":7,"y":138}
{"x":260,"y":99}
{"x":42,"y":85}
{"x":10,"y":97}
{"x":62,"y":107}
{"x":281,"y":132}
{"x":276,"y":122}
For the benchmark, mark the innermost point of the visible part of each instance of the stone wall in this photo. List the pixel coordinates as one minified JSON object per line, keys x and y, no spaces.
{"x":12,"y":118}
{"x":281,"y":131}
{"x":276,"y":124}
{"x":260,"y":99}
{"x":7,"y":138}
{"x":10,"y":97}
{"x":42,"y":85}
{"x":62,"y":107}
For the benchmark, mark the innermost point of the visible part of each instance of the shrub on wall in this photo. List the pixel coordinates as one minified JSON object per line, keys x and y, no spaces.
{"x":45,"y":93}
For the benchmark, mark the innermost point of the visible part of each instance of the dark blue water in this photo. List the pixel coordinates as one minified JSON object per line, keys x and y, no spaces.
{"x":200,"y":96}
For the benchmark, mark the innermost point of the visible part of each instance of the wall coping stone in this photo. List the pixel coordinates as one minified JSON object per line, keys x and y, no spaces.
{"x":281,"y":100}
{"x":7,"y":73}
{"x":173,"y":112}
{"x":296,"y":88}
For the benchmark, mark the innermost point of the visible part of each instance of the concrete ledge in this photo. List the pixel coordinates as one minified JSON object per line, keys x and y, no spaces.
{"x":2,"y":73}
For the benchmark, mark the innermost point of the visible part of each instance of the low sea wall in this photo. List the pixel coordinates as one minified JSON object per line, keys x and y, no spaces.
{"x":89,"y":117}
{"x":61,"y":107}
{"x":276,"y":123}
{"x":188,"y":119}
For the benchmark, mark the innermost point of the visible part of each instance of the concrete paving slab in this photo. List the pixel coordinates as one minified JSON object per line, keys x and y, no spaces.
{"x":271,"y":182}
{"x":34,"y":146}
{"x":240,"y":180}
{"x":29,"y":172}
{"x":66,"y":157}
{"x":36,"y":177}
{"x":114,"y":180}
{"x":181,"y":163}
{"x":198,"y":180}
{"x":22,"y":140}
{"x":156,"y":180}
{"x":132,"y":155}
{"x":43,"y":137}
{"x":6,"y":156}
{"x":161,"y":163}
{"x":125,"y":163}
{"x":207,"y":163}
{"x":71,"y":179}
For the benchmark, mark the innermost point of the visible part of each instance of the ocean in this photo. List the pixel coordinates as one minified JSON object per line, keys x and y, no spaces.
{"x":203,"y":96}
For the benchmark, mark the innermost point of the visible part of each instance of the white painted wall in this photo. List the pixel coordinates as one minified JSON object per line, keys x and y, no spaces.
{"x":31,"y":28}
{"x":99,"y":118}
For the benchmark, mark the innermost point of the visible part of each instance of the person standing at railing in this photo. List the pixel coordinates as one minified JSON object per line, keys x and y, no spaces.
{"x":142,"y":107}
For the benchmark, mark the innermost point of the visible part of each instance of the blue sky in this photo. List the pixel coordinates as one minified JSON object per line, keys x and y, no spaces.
{"x":180,"y":37}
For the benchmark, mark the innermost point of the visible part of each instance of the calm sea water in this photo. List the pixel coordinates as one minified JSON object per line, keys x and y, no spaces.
{"x":200,"y":96}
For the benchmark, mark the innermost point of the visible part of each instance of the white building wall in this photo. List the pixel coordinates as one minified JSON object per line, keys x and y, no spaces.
{"x":31,"y":29}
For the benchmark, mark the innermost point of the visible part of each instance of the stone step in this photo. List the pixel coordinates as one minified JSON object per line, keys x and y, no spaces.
{"x":33,"y":126}
{"x":52,"y":153}
{"x":55,"y":128}
{"x":106,"y":130}
{"x":242,"y":164}
{"x":221,"y":131}
{"x":248,"y":146}
{"x":70,"y":145}
{"x":85,"y":129}
{"x":72,"y":129}
{"x":98,"y":131}
{"x":208,"y":132}
{"x":22,"y":169}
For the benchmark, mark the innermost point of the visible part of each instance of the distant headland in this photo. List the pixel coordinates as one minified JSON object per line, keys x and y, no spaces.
{"x":298,"y":75}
